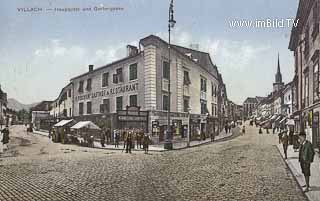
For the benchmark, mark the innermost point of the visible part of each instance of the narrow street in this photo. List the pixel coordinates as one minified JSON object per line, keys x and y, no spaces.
{"x":248,"y":167}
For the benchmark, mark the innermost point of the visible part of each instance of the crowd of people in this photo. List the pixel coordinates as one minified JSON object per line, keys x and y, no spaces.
{"x":131,"y":138}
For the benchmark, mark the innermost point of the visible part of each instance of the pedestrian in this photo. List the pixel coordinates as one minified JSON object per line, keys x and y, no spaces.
{"x":128,"y":142}
{"x":5,"y":137}
{"x":102,"y":138}
{"x":117,"y":139}
{"x":291,"y":137}
{"x":139,"y":138}
{"x":108,"y":135}
{"x":280,"y":137}
{"x":306,"y":155}
{"x":243,"y":129}
{"x":1,"y":143}
{"x":212,"y":135}
{"x":146,"y":142}
{"x":226,"y":128}
{"x":124,"y":136}
{"x":285,"y":143}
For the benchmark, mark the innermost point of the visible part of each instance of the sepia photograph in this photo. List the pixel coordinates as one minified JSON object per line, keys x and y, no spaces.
{"x":169,"y":100}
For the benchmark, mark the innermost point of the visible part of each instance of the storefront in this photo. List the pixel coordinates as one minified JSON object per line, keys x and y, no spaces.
{"x":315,"y":130}
{"x":133,"y":118}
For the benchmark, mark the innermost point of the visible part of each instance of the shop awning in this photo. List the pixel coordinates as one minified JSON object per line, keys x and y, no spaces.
{"x":85,"y":124}
{"x":274,"y":117}
{"x":279,"y":118}
{"x":62,"y":123}
{"x":283,"y":120}
{"x":290,"y":122}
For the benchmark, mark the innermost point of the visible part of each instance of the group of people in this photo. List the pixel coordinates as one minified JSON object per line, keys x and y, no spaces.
{"x":131,"y":138}
{"x":306,"y":155}
{"x":4,"y":139}
{"x":228,"y":126}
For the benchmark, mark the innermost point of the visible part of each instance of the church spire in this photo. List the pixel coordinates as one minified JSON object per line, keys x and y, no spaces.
{"x":278,"y":74}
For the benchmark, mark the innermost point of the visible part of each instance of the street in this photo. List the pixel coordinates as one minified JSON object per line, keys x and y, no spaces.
{"x":245,"y":168}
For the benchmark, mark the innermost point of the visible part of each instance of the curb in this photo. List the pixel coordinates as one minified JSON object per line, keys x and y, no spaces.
{"x":292,"y":173}
{"x":232,"y":136}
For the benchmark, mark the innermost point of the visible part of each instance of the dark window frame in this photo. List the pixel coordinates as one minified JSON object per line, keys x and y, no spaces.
{"x":105,"y":79}
{"x":81,"y":108}
{"x":89,"y":107}
{"x":136,"y":100}
{"x":166,"y":70}
{"x":165,"y":102}
{"x":133,"y":76}
{"x":118,"y":107}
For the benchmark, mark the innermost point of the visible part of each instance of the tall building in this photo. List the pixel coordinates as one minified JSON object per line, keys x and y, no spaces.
{"x":134,"y":91}
{"x":278,"y":84}
{"x":305,"y":44}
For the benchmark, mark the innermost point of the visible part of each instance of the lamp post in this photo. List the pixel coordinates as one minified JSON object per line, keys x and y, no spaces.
{"x":188,"y":131}
{"x":171,"y":23}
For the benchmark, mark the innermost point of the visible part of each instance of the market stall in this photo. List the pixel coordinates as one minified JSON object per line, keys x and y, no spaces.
{"x":60,"y":131}
{"x":85,"y":133}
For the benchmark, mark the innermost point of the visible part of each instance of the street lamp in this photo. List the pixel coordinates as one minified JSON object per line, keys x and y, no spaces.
{"x":171,"y":23}
{"x":188,"y":131}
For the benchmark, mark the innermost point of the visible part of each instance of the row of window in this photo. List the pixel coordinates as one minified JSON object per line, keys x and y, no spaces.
{"x":105,"y":106}
{"x":117,"y":78}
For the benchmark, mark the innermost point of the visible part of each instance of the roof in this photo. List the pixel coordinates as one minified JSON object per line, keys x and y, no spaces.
{"x":62,"y":123}
{"x":203,"y":57}
{"x":42,"y":106}
{"x":303,"y":12}
{"x":85,"y":124}
{"x":250,"y":100}
{"x":107,"y":65}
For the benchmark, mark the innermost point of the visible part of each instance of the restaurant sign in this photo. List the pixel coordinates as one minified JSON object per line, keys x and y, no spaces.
{"x":109,"y":91}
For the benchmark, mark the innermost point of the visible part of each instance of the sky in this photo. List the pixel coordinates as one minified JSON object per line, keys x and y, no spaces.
{"x":41,"y":50}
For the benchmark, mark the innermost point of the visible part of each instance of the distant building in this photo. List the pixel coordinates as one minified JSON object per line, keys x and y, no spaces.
{"x":249,"y":106}
{"x":40,"y":112}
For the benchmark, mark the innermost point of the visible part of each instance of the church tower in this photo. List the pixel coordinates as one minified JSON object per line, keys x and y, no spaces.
{"x":278,"y":84}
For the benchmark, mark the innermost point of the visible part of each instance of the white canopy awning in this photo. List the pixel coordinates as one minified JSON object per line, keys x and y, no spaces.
{"x":273,"y":117}
{"x":290,"y":122}
{"x":86,"y":124}
{"x":62,"y":123}
{"x":278,"y":118}
{"x":283,"y":120}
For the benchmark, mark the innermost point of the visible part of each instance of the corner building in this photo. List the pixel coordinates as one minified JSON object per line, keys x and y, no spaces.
{"x":133,"y":92}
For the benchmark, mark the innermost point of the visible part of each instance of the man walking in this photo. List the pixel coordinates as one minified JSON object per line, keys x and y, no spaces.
{"x":285,"y":142}
{"x":306,"y":154}
{"x":102,"y":138}
{"x":146,"y":141}
{"x":128,"y":142}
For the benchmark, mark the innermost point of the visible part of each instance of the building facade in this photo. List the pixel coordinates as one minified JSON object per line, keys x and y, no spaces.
{"x":3,"y":107}
{"x":119,"y":92}
{"x":305,"y":44}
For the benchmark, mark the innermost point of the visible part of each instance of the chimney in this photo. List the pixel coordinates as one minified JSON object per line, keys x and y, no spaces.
{"x":132,"y":50}
{"x":90,"y":68}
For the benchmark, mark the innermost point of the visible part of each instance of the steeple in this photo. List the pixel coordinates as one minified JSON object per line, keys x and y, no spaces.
{"x":278,"y":74}
{"x":278,"y":84}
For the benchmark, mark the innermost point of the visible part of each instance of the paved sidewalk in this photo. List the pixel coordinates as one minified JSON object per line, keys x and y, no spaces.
{"x":294,"y":165}
{"x":159,"y":147}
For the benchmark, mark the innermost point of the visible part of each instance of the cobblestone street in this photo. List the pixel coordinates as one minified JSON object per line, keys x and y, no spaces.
{"x":245,"y":168}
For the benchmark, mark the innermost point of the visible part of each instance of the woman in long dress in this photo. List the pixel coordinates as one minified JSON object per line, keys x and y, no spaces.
{"x":1,"y":143}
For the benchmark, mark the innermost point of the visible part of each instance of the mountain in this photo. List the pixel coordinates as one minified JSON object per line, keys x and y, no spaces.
{"x":16,"y":105}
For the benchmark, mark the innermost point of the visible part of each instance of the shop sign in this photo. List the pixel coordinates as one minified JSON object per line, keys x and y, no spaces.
{"x":107,"y":92}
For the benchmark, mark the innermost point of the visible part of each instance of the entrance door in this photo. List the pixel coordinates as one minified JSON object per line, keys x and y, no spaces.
{"x":315,"y":130}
